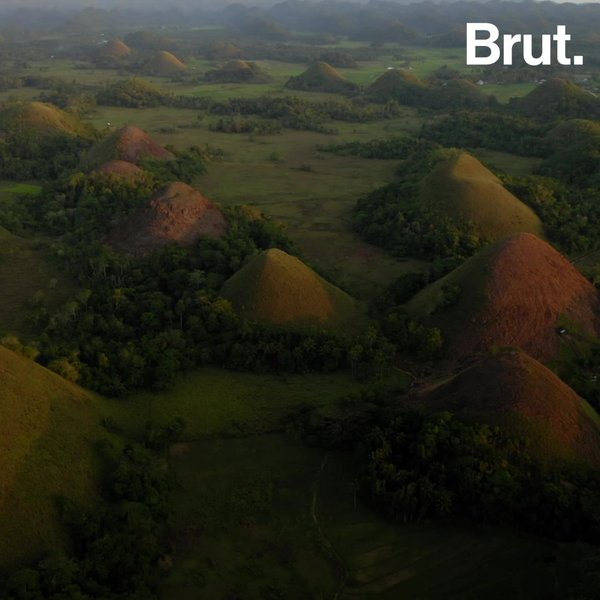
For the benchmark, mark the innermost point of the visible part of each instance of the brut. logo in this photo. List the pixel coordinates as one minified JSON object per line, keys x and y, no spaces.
{"x":505,"y":51}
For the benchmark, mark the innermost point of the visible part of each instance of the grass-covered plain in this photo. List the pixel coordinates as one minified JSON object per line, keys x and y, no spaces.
{"x":215,"y":402}
{"x":268,"y":517}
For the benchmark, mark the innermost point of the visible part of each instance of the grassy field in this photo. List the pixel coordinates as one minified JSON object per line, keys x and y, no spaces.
{"x":215,"y":402}
{"x":311,"y":192}
{"x":266,"y":517}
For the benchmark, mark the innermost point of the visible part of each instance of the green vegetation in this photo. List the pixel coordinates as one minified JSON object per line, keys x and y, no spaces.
{"x":278,"y":288}
{"x":269,"y":307}
{"x":320,"y":77}
{"x":446,"y":204}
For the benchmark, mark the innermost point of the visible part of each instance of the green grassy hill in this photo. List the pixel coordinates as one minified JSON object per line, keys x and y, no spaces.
{"x":43,"y":119}
{"x":238,"y":71}
{"x":559,"y":98}
{"x":320,"y":77}
{"x":47,"y":426}
{"x":400,"y":85}
{"x":463,"y":190}
{"x":458,"y":93}
{"x":276,"y":287}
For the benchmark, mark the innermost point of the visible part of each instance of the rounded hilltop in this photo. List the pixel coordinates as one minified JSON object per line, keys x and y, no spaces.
{"x":558,"y":98}
{"x":115,"y":48}
{"x":238,"y":71}
{"x":177,"y":213}
{"x":519,"y":394}
{"x":463,"y":190}
{"x":320,"y":77}
{"x":43,"y":119}
{"x":275,"y":287}
{"x":400,"y":85}
{"x":120,"y":168}
{"x":164,"y":63}
{"x":516,"y":293}
{"x":130,"y":144}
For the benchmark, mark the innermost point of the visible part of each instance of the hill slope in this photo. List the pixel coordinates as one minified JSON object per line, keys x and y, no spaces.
{"x":278,"y":288}
{"x":462,"y":189}
{"x":116,"y":49}
{"x":517,"y":292}
{"x":320,"y":77}
{"x":400,"y":85}
{"x":164,"y":63}
{"x":47,"y":426}
{"x":130,"y":144}
{"x":559,"y":98}
{"x":177,"y":213}
{"x":512,"y":389}
{"x":238,"y":71}
{"x":120,"y":168}
{"x":43,"y":119}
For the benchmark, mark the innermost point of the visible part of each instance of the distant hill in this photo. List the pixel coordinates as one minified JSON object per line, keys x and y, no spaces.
{"x":279,"y":288}
{"x":164,"y":63}
{"x":573,"y":152}
{"x":130,"y":144}
{"x":458,"y":93}
{"x":115,"y":48}
{"x":463,"y":190}
{"x":176,"y":213}
{"x":519,"y":292}
{"x":222,"y":49}
{"x":47,"y":430}
{"x":134,"y":92}
{"x":43,"y":119}
{"x":320,"y":77}
{"x":519,"y":394}
{"x":238,"y":71}
{"x":400,"y":85}
{"x":558,"y":98}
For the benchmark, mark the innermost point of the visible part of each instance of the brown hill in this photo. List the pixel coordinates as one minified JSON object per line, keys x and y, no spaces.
{"x":114,"y":49}
{"x":130,"y":144}
{"x":514,"y":391}
{"x":164,"y":63}
{"x":177,"y":213}
{"x":279,"y":288}
{"x":519,"y":292}
{"x":120,"y":168}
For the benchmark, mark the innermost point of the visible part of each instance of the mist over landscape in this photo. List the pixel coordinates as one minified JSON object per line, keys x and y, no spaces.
{"x":298,"y":302}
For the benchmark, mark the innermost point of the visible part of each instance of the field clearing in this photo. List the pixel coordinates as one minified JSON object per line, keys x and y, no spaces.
{"x":505,"y":91}
{"x":277,"y":517}
{"x":217,"y":402}
{"x":519,"y":166}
